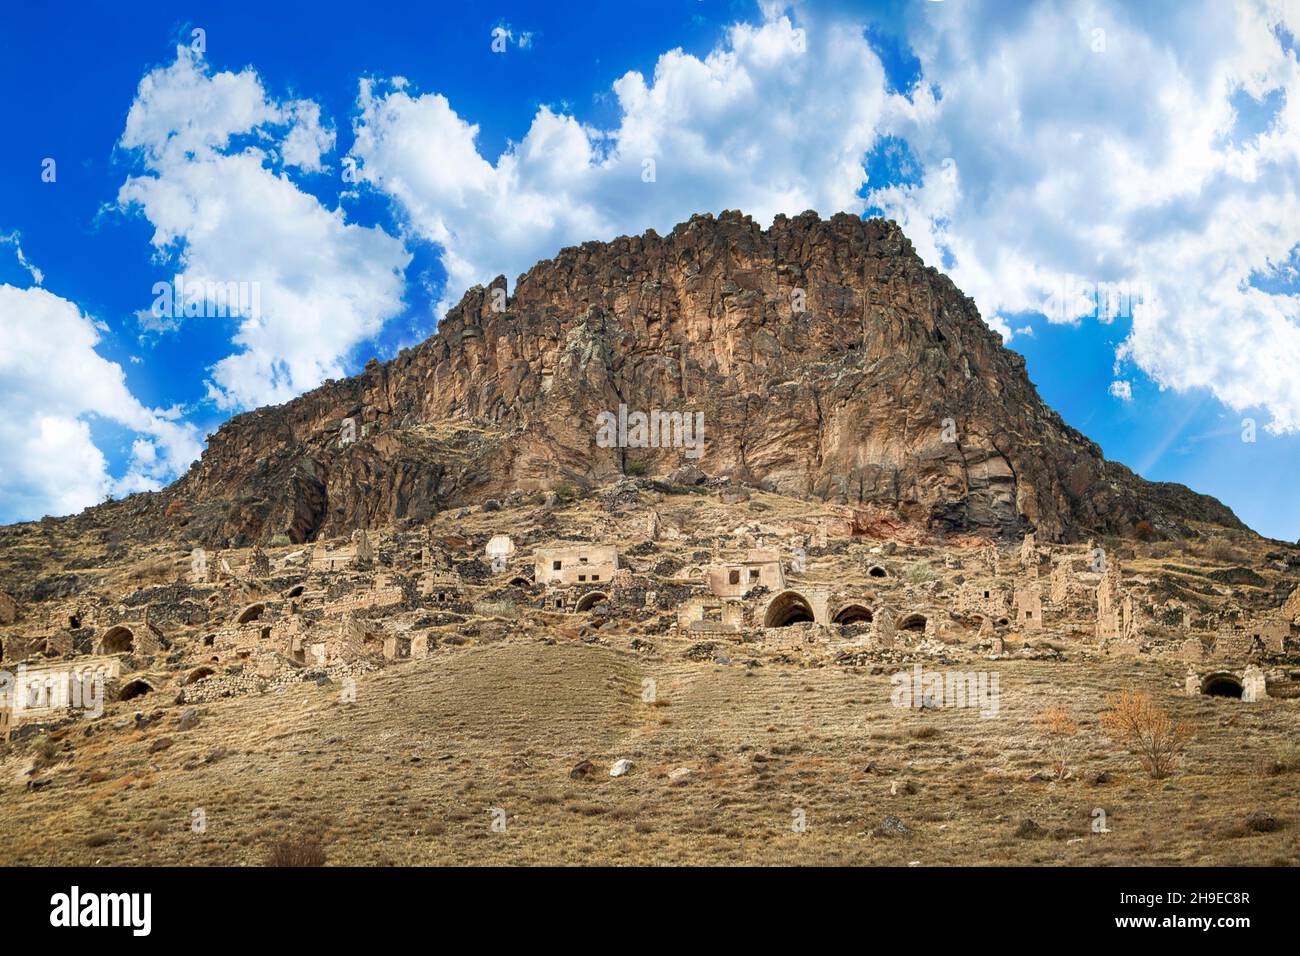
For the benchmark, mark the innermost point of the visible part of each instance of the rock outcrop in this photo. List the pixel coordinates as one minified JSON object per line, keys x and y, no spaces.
{"x":826,"y":358}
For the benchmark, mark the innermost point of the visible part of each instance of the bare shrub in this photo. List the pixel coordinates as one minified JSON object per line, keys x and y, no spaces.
{"x":295,"y":851}
{"x":1224,"y":552}
{"x":502,"y":609}
{"x":1137,"y":722}
{"x":1059,"y":728}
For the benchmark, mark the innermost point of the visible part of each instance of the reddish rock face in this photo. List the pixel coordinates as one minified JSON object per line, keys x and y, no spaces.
{"x":825,"y":358}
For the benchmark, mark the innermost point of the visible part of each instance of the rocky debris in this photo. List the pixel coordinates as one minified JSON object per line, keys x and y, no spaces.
{"x":582,"y":770}
{"x":680,"y":774}
{"x":1027,"y":829}
{"x":687,"y":475}
{"x":1238,"y":576}
{"x":159,"y":745}
{"x":892,"y":826}
{"x":621,"y":768}
{"x":1261,"y":821}
{"x":188,"y":720}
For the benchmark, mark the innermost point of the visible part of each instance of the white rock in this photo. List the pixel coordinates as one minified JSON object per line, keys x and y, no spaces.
{"x":620,"y":768}
{"x":681,"y":773}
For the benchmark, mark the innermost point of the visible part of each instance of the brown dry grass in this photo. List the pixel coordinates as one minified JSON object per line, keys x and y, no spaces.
{"x":413,"y":772}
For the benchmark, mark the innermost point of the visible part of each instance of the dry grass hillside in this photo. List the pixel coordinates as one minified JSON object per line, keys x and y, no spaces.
{"x":412,"y":771}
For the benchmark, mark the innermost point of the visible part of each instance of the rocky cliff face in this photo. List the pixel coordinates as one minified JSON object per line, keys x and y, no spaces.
{"x":826,"y":359}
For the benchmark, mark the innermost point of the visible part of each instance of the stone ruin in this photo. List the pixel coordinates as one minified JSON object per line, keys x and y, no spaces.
{"x":337,"y":608}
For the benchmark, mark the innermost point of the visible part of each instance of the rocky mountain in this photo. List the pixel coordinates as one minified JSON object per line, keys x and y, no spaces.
{"x":827,"y":360}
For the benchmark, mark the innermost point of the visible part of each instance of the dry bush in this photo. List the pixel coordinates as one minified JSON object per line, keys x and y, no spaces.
{"x":1059,"y":728}
{"x":295,"y":851}
{"x":1224,"y":552}
{"x":1137,"y":722}
{"x":157,"y":571}
{"x":505,"y":610}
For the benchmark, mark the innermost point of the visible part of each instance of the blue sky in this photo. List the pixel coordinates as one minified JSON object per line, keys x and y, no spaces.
{"x":363,"y":166}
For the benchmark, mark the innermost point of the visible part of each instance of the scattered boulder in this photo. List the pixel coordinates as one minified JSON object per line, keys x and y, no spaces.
{"x":1029,"y":830}
{"x":1261,"y":821}
{"x":892,"y":826}
{"x":621,"y":768}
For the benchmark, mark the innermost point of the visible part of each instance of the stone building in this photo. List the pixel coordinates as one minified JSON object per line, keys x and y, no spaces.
{"x":1239,"y":641}
{"x":580,"y":564}
{"x":358,"y":553}
{"x":984,"y":596}
{"x":758,"y":568}
{"x":1029,"y":608}
{"x":136,"y":638}
{"x":48,"y":691}
{"x":706,"y":615}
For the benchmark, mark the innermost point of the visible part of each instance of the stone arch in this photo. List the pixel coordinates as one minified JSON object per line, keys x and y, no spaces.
{"x":253,"y":612}
{"x":854,"y":612}
{"x":1222,"y":684}
{"x":914,"y":621}
{"x":117,"y":640}
{"x":877,"y":571}
{"x":198,"y":674}
{"x":589,"y":600}
{"x":788,"y":607}
{"x":520,"y":583}
{"x":136,"y":688}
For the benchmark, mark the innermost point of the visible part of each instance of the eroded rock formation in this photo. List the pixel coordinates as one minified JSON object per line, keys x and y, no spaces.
{"x":826,"y":358}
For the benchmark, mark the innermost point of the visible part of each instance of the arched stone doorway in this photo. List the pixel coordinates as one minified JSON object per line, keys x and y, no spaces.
{"x":117,"y":640}
{"x":1222,"y":684}
{"x":251,"y":613}
{"x":853,"y":614}
{"x":912,"y":622}
{"x":590,"y":600}
{"x":135,"y":688}
{"x":788,"y":607}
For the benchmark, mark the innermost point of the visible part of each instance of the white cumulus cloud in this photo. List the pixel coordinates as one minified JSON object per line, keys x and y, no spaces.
{"x":1097,"y":147}
{"x":210,"y":145}
{"x":775,"y":120}
{"x":53,"y":386}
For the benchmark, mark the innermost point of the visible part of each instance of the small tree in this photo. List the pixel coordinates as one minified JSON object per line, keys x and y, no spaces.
{"x":1138,"y":723}
{"x":1059,"y":728}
